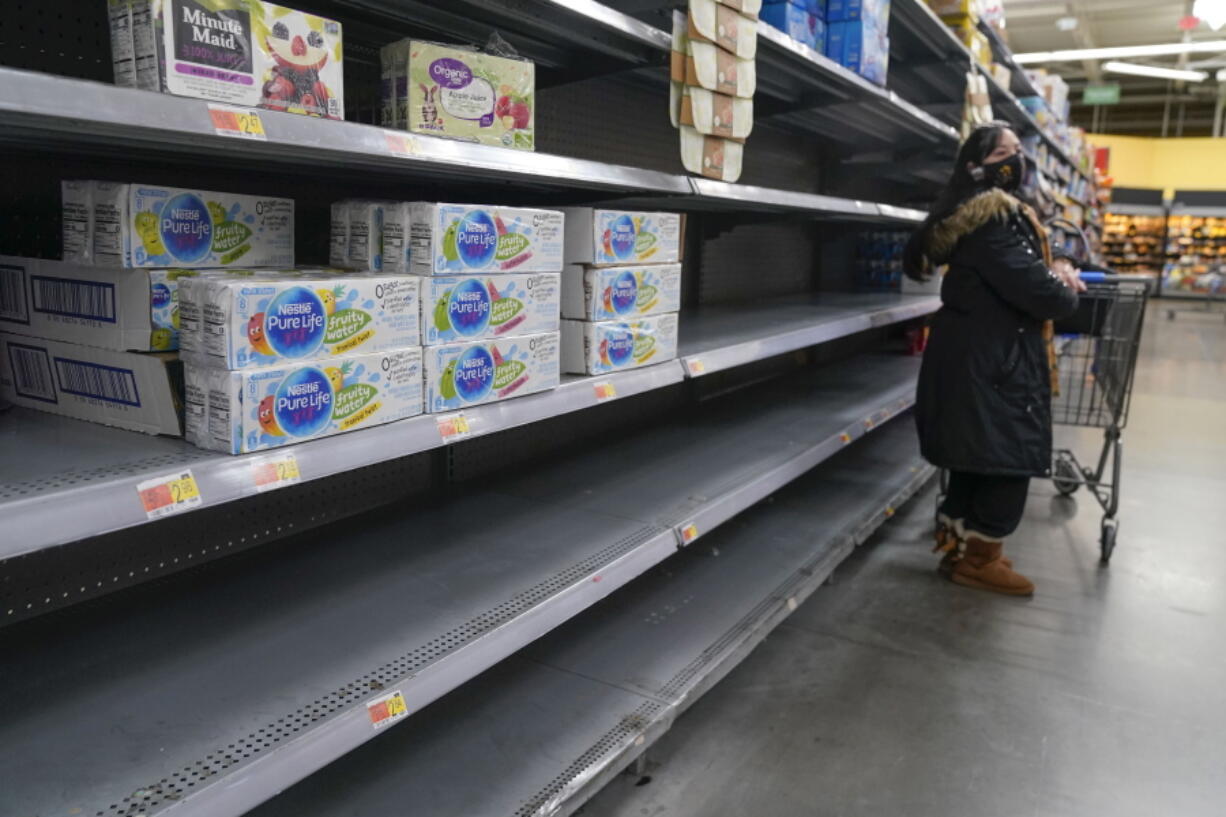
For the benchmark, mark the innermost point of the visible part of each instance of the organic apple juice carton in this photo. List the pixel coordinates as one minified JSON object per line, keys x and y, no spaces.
{"x":243,"y":52}
{"x":462,"y":375}
{"x":237,"y":412}
{"x":301,"y":316}
{"x":458,"y":308}
{"x":612,"y":237}
{"x":618,"y":293}
{"x":611,"y":346}
{"x":137,"y":225}
{"x":461,"y":93}
{"x":452,"y":239}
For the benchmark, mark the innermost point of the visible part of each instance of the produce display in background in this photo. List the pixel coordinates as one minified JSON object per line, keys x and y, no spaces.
{"x":1196,"y":256}
{"x":713,"y":78}
{"x":1134,"y":244}
{"x":879,"y":260}
{"x":241,"y":52}
{"x":459,"y":93}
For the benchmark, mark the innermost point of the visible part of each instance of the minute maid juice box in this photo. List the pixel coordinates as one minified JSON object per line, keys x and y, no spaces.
{"x":609,"y":293}
{"x":451,"y":239}
{"x":137,"y":225}
{"x":237,"y":412}
{"x":295,"y":316}
{"x":611,"y":346}
{"x":608,"y":237}
{"x":468,"y":308}
{"x":462,"y":375}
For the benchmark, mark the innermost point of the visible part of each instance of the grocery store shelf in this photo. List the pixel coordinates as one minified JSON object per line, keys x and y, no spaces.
{"x":96,"y":470}
{"x":717,"y":338}
{"x":927,"y":63}
{"x":1121,"y":209}
{"x":210,"y":695}
{"x":542,"y":732}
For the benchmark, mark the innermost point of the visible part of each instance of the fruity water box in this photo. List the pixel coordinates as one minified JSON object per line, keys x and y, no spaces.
{"x":452,"y":239}
{"x":138,"y":225}
{"x":295,"y":316}
{"x":241,"y":52}
{"x":123,"y":310}
{"x":611,"y":346}
{"x":237,"y":412}
{"x":461,"y":93}
{"x":458,"y":308}
{"x":607,"y":237}
{"x":611,"y":293}
{"x":462,"y":375}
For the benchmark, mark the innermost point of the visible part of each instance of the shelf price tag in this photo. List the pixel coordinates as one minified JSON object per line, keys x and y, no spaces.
{"x":845,"y":438}
{"x":453,"y":427}
{"x":399,"y":144}
{"x":605,"y":391}
{"x":696,"y":367}
{"x":242,"y":123}
{"x":171,"y":494}
{"x":688,"y":533}
{"x":387,"y":709}
{"x":275,"y":473}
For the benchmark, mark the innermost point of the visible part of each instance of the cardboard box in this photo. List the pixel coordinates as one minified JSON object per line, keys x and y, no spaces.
{"x":461,"y":308}
{"x":238,"y":412}
{"x":462,"y":375}
{"x":273,"y":319}
{"x":123,"y":310}
{"x":453,"y":239}
{"x":461,"y":93}
{"x":241,"y":52}
{"x":618,"y":293}
{"x":612,"y":346}
{"x":617,"y":237}
{"x":139,"y":392}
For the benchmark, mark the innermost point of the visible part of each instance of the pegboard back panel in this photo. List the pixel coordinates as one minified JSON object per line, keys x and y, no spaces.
{"x":753,"y":261}
{"x":48,"y":580}
{"x":67,"y":37}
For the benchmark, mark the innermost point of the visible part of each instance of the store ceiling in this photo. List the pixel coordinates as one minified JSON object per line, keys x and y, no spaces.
{"x":1148,"y":107}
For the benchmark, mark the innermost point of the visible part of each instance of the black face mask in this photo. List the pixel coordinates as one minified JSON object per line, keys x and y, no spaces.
{"x":1007,"y":173}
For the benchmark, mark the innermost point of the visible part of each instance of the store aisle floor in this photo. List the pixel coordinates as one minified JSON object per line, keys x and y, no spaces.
{"x":895,"y":693}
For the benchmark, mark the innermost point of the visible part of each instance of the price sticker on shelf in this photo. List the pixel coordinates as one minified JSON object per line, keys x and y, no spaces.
{"x":689,"y":533}
{"x":844,"y":438}
{"x":605,"y":391}
{"x":696,"y":367}
{"x":171,"y":494}
{"x":275,"y":473}
{"x":453,"y":427}
{"x":889,"y":511}
{"x":399,"y":144}
{"x":387,"y":709}
{"x":241,"y":123}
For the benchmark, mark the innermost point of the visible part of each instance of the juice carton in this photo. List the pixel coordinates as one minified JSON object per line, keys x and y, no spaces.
{"x":123,"y":54}
{"x":274,"y":319}
{"x":462,"y":375}
{"x":617,"y":293}
{"x":451,"y":239}
{"x":123,"y":310}
{"x":241,"y":52}
{"x":138,"y":225}
{"x":460,"y":93}
{"x":609,"y":237}
{"x":457,"y":308}
{"x":611,"y":346}
{"x":338,"y":245}
{"x":237,"y":412}
{"x":77,"y":221}
{"x":366,"y":235}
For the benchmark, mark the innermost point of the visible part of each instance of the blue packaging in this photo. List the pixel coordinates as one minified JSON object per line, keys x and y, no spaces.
{"x":792,"y":18}
{"x":836,"y":36}
{"x":840,"y":11}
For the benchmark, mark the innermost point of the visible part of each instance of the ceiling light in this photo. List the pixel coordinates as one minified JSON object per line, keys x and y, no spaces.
{"x":1123,"y":51}
{"x":1067,"y":23}
{"x":1154,"y":71}
{"x":1221,"y":75}
{"x":1212,"y":12}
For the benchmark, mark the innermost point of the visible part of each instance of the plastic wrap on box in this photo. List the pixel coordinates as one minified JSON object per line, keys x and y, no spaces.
{"x":613,"y":293}
{"x":611,"y":237}
{"x":462,"y":375}
{"x":461,"y":308}
{"x":612,"y":346}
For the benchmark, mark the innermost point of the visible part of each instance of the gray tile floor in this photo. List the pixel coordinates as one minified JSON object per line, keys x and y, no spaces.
{"x":896,"y":693}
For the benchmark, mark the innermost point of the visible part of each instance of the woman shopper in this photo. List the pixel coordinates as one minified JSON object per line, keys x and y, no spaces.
{"x":983,"y":408}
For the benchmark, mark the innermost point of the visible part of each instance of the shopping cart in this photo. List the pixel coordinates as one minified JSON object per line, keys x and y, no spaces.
{"x":1096,"y":357}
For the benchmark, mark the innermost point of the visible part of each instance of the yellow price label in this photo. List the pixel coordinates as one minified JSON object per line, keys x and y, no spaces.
{"x":454,"y":427}
{"x":243,"y":123}
{"x":163,"y":496}
{"x":275,"y":473}
{"x":387,"y":709}
{"x":845,"y":438}
{"x":605,"y":391}
{"x":689,"y":533}
{"x":696,"y":367}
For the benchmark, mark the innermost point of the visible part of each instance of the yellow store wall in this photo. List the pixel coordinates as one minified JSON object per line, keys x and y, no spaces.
{"x":1170,"y":164}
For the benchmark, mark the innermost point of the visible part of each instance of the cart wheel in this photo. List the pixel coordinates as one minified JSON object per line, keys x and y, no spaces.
{"x":1110,"y":526}
{"x":1066,"y":479}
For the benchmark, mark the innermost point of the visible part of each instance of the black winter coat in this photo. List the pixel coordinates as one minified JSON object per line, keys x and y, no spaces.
{"x":984,"y":397}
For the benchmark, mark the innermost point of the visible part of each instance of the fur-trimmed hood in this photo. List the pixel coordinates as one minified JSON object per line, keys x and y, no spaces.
{"x":943,"y":236}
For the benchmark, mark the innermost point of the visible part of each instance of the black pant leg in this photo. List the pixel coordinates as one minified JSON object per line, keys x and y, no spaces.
{"x":997,"y":504}
{"x":959,"y":495}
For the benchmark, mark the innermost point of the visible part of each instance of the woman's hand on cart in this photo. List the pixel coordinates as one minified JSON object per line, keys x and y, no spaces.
{"x":1069,"y":274}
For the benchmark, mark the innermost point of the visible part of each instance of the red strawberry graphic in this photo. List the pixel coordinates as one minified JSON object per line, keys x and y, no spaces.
{"x":503,"y":106}
{"x":605,"y":240}
{"x":298,"y":46}
{"x":494,"y":296}
{"x":522,"y":114}
{"x":497,"y":355}
{"x":498,"y":225}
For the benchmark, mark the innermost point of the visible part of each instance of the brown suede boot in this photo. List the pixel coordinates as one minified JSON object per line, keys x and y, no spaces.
{"x":951,"y":544}
{"x":983,"y":567}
